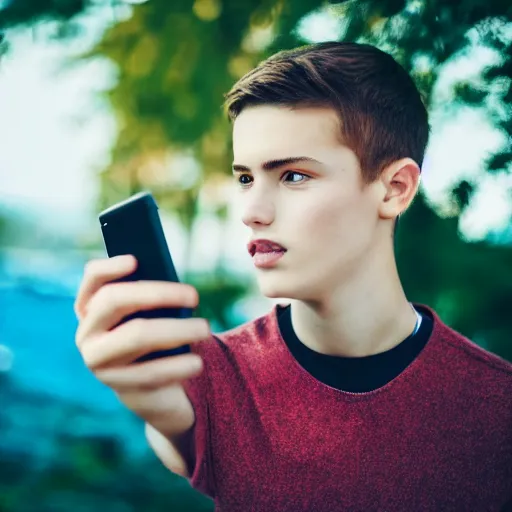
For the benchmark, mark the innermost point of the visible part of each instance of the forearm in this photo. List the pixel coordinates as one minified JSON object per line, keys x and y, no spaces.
{"x":173,"y":453}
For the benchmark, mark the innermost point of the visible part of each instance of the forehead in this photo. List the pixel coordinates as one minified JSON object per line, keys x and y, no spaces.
{"x":266,"y":132}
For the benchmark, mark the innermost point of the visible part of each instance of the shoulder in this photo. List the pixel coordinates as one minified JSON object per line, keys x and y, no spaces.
{"x":257,"y":330}
{"x":243,"y":340}
{"x":464,"y":355}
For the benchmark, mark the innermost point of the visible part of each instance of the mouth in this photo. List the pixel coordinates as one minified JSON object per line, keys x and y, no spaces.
{"x":264,"y":246}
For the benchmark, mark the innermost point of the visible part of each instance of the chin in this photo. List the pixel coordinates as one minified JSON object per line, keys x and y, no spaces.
{"x":278,"y":287}
{"x":304,"y":286}
{"x":272,"y":287}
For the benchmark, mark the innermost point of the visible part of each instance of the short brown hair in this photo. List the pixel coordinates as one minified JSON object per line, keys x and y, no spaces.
{"x":382,"y":116}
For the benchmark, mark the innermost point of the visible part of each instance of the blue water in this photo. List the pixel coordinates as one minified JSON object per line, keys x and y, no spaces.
{"x":38,"y":326}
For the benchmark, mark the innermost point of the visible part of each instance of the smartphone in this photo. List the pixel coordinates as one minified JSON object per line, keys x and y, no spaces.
{"x":134,"y":227}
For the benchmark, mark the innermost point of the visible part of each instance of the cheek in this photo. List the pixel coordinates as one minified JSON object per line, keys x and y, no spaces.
{"x":329,"y":215}
{"x":337,"y":230}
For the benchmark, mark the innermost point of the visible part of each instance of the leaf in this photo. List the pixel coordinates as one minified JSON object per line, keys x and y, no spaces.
{"x":26,"y":12}
{"x":468,"y":93}
{"x":499,"y":161}
{"x":462,"y":194}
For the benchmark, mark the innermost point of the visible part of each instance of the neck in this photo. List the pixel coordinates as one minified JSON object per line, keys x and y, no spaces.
{"x":365,"y":315}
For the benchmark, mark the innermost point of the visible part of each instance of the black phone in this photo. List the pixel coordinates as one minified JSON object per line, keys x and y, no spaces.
{"x":134,"y":227}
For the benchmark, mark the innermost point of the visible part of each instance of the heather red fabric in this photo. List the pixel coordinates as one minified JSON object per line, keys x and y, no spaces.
{"x":270,"y":437}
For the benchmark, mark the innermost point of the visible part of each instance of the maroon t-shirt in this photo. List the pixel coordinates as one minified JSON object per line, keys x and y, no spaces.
{"x":271,"y":437}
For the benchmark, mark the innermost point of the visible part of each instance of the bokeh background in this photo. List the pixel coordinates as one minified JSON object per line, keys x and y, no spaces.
{"x":102,"y":99}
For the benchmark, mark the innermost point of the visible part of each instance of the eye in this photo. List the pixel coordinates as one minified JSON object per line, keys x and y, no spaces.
{"x":244,"y":180}
{"x":302,"y":177}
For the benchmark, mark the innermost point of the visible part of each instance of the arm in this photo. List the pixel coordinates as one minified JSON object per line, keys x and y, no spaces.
{"x":172,"y":453}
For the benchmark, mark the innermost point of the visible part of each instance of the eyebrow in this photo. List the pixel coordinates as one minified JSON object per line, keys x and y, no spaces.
{"x":271,"y":165}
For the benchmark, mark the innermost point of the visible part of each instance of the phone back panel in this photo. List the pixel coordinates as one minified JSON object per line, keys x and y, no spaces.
{"x":134,"y":227}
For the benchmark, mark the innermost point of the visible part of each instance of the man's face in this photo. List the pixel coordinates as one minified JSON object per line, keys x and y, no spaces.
{"x":318,"y":209}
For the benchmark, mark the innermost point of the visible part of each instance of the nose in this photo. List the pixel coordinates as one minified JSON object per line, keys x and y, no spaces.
{"x":257,"y":208}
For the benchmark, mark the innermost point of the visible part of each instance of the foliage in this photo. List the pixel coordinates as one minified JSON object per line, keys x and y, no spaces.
{"x":467,"y":283}
{"x":218,"y":294}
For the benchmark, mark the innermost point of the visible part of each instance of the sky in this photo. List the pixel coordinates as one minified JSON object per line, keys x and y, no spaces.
{"x":55,"y":134}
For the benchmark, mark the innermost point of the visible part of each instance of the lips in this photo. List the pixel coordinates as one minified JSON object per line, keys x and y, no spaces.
{"x":264,"y":246}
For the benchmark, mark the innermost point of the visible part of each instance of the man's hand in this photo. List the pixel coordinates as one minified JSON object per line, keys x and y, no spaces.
{"x":152,"y":390}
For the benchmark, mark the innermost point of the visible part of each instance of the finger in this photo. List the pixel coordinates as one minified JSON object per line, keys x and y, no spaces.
{"x":151,"y":375}
{"x":137,"y":337}
{"x":113,"y":302}
{"x":97,"y":273}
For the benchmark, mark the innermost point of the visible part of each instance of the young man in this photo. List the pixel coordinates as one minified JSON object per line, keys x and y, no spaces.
{"x":351,"y":398}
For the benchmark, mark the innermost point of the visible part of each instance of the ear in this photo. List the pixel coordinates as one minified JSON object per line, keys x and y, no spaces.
{"x":399,"y":182}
